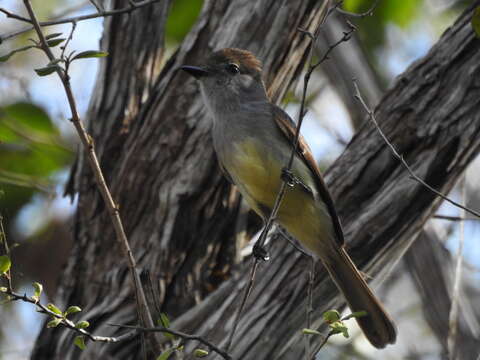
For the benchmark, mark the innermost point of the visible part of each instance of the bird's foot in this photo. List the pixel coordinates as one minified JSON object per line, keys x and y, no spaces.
{"x":260,"y":253}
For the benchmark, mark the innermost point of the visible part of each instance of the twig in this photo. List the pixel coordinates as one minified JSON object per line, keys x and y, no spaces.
{"x":97,"y":6}
{"x":12,"y":15}
{"x":70,"y":37}
{"x":324,"y":341}
{"x":128,"y":9}
{"x":136,"y":330}
{"x":454,"y":308}
{"x":87,"y":141}
{"x":292,"y":241}
{"x":182,"y":335}
{"x":369,"y":12}
{"x":311,"y":280}
{"x":66,"y":322}
{"x":346,"y":36}
{"x":454,"y":218}
{"x":395,"y":153}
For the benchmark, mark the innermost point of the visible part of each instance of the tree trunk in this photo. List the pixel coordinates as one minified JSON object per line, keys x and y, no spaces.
{"x":152,"y":136}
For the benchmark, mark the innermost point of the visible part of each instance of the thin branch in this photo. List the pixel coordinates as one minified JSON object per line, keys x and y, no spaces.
{"x":97,"y":6}
{"x":182,"y":335}
{"x":346,"y":36}
{"x":454,"y":218}
{"x":136,"y":330}
{"x":369,"y":12}
{"x":128,"y":9}
{"x":292,"y":241}
{"x":395,"y":153}
{"x":454,"y":308}
{"x":309,"y":307}
{"x":13,"y":296}
{"x":87,"y":141}
{"x":70,"y":37}
{"x":324,"y":341}
{"x":12,"y":15}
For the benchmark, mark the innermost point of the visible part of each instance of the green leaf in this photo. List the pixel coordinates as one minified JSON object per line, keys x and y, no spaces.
{"x":55,"y":42}
{"x":200,"y":353}
{"x":51,"y":36}
{"x":476,"y":21}
{"x":90,"y":54}
{"x":5,"y":264}
{"x":165,"y":322}
{"x":166,"y":354}
{"x":54,"y":323}
{"x":339,"y":327}
{"x":38,"y":288}
{"x":307,"y":331}
{"x":82,"y":324}
{"x":80,"y":342}
{"x":54,"y":309}
{"x":11,"y":53}
{"x":331,"y":316}
{"x":3,"y":289}
{"x":47,"y":70}
{"x":31,"y":151}
{"x":355,"y":314}
{"x":72,"y":310}
{"x":181,"y":17}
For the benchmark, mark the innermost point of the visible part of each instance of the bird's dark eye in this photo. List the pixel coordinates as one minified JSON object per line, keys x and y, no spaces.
{"x":233,"y":68}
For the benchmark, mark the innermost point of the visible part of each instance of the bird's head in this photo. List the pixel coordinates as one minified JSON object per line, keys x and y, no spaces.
{"x":229,"y":78}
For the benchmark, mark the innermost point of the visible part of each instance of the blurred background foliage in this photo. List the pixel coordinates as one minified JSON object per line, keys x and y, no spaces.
{"x":38,"y":144}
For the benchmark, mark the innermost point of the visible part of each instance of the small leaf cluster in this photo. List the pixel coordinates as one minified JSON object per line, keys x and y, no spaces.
{"x":59,"y":317}
{"x":54,"y":40}
{"x":335,"y":322}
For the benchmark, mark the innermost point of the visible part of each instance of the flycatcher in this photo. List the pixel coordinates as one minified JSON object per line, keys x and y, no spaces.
{"x":253,"y":139}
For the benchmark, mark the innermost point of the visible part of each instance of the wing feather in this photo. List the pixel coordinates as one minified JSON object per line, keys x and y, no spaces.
{"x":287,"y":128}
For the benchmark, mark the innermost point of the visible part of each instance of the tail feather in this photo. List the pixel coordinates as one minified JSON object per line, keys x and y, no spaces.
{"x":377,"y":325}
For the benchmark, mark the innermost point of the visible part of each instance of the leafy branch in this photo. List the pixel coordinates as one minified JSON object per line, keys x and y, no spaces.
{"x":88,"y":144}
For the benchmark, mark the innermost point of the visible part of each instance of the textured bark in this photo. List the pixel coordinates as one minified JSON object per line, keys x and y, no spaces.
{"x":152,"y":134}
{"x":427,"y":262}
{"x":431,"y":268}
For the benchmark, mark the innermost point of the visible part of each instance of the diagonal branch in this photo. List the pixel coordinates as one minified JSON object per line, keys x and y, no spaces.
{"x":395,"y":153}
{"x":87,"y":141}
{"x":126,"y":10}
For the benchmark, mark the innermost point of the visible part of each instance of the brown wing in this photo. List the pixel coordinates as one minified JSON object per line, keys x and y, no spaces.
{"x":287,"y":127}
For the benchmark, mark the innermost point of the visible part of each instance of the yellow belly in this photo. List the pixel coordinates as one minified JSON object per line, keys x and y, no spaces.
{"x":257,"y":174}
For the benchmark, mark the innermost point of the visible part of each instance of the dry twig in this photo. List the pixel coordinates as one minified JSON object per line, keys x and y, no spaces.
{"x":87,"y":141}
{"x":126,"y":10}
{"x":395,"y":153}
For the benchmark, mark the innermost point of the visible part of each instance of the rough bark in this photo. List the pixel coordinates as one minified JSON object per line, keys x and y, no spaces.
{"x":179,"y":212}
{"x":431,"y":268}
{"x":427,"y":262}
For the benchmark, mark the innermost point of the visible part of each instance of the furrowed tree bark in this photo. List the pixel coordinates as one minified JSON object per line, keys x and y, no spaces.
{"x":152,"y":133}
{"x":426,"y":262}
{"x":431,"y":266}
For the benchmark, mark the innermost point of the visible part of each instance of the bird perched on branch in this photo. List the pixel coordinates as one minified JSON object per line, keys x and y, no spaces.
{"x":253,"y":139}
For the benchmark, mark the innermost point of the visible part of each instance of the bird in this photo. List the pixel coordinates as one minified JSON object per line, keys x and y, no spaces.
{"x":253,"y":140}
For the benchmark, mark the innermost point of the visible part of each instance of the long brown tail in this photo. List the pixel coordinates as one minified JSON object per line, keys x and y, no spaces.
{"x":377,"y":325}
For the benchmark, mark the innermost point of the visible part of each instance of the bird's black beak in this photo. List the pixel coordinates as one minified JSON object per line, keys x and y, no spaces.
{"x":195,"y":71}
